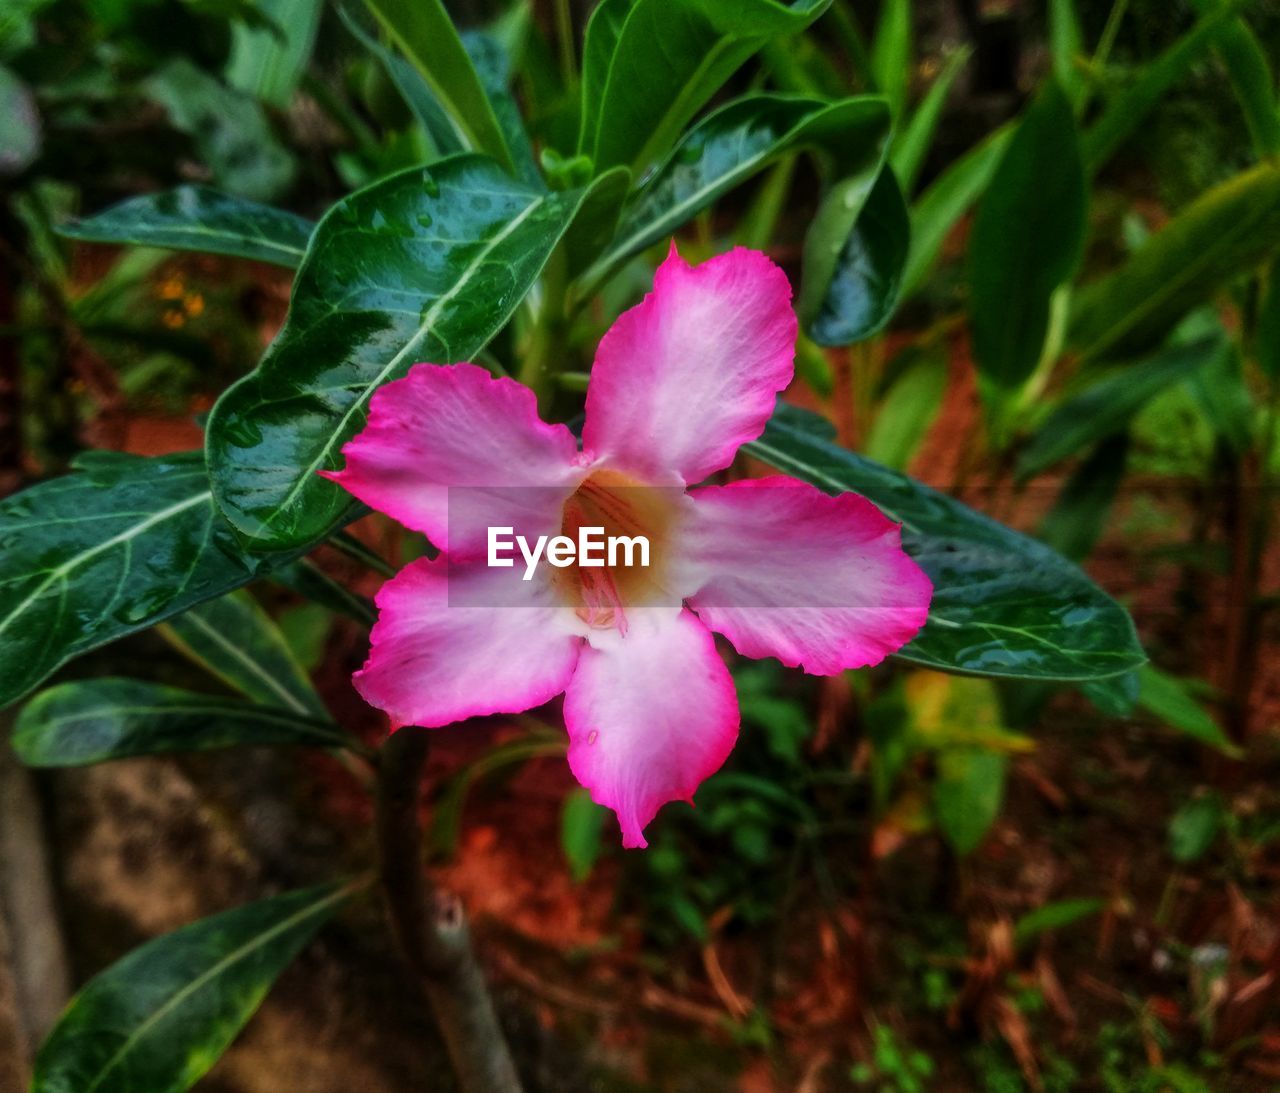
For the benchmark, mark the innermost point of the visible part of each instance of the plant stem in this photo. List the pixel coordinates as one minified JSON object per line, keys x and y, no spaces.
{"x":431,"y":926}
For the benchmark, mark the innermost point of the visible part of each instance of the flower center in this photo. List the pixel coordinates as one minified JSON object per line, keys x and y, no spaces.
{"x":627,"y":510}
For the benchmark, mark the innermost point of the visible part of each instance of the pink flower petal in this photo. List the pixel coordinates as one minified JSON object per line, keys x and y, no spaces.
{"x":437,"y":658}
{"x":450,"y":450}
{"x":787,"y":571}
{"x":690,"y":373}
{"x":650,"y":715}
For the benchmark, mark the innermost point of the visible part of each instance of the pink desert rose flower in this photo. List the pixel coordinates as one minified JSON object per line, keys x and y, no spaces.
{"x":778,"y":567}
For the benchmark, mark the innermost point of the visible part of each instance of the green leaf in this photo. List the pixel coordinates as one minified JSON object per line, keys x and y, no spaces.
{"x":1106,"y":407}
{"x":967,"y":794}
{"x":665,"y":59}
{"x":1247,"y":67}
{"x":1194,"y":827}
{"x":426,"y":265}
{"x":728,"y":147}
{"x":269,"y":62}
{"x":907,"y":411}
{"x":160,"y":1018}
{"x":20,"y":131}
{"x":1066,"y":45}
{"x":946,"y":200}
{"x":581,"y":824}
{"x":1003,"y":604}
{"x":1027,"y":240}
{"x":891,"y":53}
{"x":198,"y":218}
{"x":423,"y":30}
{"x":1168,"y":698}
{"x":493,"y":66}
{"x":911,"y":143}
{"x":309,"y":580}
{"x":1222,"y":235}
{"x":229,"y":129}
{"x":864,"y":285}
{"x":1079,"y":515}
{"x":90,"y":557}
{"x":1126,"y":111}
{"x":1267,"y":340}
{"x":236,"y":641}
{"x":1054,"y":916}
{"x":76,"y":724}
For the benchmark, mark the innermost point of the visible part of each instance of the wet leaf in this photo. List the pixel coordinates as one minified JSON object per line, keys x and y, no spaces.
{"x":198,"y":218}
{"x":119,"y":546}
{"x":161,"y":1017}
{"x":1003,"y":603}
{"x":426,"y":265}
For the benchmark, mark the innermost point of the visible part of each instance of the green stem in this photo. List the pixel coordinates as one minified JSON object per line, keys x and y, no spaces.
{"x":565,"y":40}
{"x":545,"y":351}
{"x":430,"y":926}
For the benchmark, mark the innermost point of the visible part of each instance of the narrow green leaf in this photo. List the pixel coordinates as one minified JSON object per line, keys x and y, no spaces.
{"x":864,"y":286}
{"x":76,"y":724}
{"x":1267,"y":341}
{"x":228,"y":128}
{"x":967,"y":794}
{"x":426,"y":265}
{"x":942,"y":205}
{"x":1076,"y":522}
{"x":1168,"y":698}
{"x":1054,"y":916}
{"x":1125,"y":113}
{"x":1027,"y":240}
{"x":581,"y":824}
{"x":236,"y":641}
{"x":907,"y":411}
{"x":912,"y":142}
{"x":493,"y":67}
{"x":267,"y":63}
{"x":90,"y":557}
{"x":1003,"y":604}
{"x":161,"y":1017}
{"x":666,"y":58}
{"x":891,"y":53}
{"x":1246,"y":65}
{"x":1194,"y":827}
{"x":1222,"y":235}
{"x":198,"y":218}
{"x":728,"y":147}
{"x":424,"y":32}
{"x":1106,"y":407}
{"x":1066,"y":45}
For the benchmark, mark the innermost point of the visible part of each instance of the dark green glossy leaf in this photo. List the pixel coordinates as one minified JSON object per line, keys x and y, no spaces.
{"x":666,"y":58}
{"x":1027,"y":239}
{"x":426,"y":265}
{"x":946,"y":200}
{"x":732,"y":144}
{"x":1003,"y":604}
{"x":967,"y":794}
{"x":76,"y":724}
{"x":493,"y":67}
{"x":160,"y":1018}
{"x":228,"y":128}
{"x":1219,"y":237}
{"x":424,"y":32}
{"x":867,"y":278}
{"x":1106,"y":407}
{"x":1125,"y":113}
{"x":235,"y":640}
{"x":198,"y":218}
{"x":88,"y":558}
